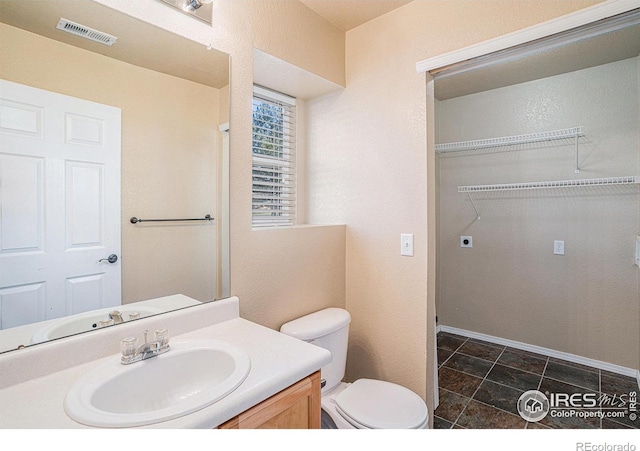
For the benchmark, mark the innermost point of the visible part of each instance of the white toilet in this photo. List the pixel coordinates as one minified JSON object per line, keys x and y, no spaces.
{"x":365,"y":403}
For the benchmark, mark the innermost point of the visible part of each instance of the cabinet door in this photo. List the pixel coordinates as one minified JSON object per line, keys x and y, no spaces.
{"x":295,"y":407}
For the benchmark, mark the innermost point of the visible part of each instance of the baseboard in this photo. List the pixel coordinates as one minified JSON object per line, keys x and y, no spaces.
{"x":630,"y":372}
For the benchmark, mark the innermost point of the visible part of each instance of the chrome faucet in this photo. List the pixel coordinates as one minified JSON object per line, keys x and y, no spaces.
{"x":116,"y":316}
{"x":131,"y":353}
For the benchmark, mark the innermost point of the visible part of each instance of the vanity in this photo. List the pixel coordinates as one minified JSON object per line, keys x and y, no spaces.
{"x":280,"y":390}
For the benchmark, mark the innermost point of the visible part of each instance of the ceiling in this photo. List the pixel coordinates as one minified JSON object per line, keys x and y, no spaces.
{"x":348,"y":14}
{"x":138,"y":43}
{"x":147,"y":46}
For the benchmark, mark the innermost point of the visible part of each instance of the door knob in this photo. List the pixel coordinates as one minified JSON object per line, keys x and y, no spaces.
{"x":111,"y":259}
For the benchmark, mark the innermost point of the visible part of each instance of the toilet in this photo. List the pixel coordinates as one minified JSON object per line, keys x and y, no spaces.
{"x":365,"y":403}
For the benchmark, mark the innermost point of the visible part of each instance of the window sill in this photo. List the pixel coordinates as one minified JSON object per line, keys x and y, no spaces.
{"x":295,"y":227}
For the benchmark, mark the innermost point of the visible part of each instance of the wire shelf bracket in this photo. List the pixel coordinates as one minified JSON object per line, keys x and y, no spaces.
{"x":605,"y":181}
{"x":566,"y":133}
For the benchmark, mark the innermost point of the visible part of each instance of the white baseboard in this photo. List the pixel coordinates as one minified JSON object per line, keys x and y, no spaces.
{"x":630,"y":372}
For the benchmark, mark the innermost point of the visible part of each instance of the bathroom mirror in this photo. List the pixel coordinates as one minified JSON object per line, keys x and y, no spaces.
{"x":171,"y":95}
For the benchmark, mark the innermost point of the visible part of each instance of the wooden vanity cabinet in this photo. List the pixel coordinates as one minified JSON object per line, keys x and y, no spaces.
{"x":295,"y":407}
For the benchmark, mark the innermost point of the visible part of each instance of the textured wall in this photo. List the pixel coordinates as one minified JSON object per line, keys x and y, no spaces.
{"x":277,"y":274}
{"x":370,"y":170}
{"x":367,"y":165}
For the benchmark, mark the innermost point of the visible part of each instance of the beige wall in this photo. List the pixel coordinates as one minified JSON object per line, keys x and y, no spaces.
{"x":367,"y":163}
{"x":510,"y":284}
{"x":168,"y":164}
{"x":368,"y":150}
{"x":277,"y":274}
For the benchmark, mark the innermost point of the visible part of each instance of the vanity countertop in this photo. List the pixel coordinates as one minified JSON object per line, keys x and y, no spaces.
{"x":277,"y":361}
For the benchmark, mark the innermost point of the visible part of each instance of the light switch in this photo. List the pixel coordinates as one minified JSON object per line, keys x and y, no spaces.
{"x":406,"y":244}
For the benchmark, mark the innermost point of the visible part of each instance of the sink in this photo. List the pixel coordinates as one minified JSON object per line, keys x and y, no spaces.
{"x":83,"y":322}
{"x":192,"y":375}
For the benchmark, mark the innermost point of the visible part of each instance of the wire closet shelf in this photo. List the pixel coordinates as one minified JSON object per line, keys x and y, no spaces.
{"x":604,"y":181}
{"x":574,"y":132}
{"x":567,"y":133}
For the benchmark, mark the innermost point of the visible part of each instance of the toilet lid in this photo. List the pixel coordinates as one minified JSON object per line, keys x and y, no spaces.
{"x":382,"y":405}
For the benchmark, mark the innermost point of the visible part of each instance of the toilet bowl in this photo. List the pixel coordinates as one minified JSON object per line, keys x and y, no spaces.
{"x":365,"y":403}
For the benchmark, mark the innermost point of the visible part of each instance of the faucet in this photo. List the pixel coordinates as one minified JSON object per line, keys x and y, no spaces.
{"x":116,"y":316}
{"x":132,"y":354}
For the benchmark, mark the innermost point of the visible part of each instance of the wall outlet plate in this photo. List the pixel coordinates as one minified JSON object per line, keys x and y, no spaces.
{"x":466,"y":241}
{"x":406,"y":244}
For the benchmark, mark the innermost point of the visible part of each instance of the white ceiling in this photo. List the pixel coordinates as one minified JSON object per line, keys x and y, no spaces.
{"x":348,"y":14}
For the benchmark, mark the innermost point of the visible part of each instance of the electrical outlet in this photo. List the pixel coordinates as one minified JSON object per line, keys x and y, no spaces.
{"x":558,"y":247}
{"x":466,"y":241}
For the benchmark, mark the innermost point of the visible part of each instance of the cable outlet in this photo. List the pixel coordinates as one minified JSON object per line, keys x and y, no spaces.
{"x":558,"y":247}
{"x":466,"y":241}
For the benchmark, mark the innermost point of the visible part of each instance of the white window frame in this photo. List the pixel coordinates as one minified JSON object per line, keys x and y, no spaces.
{"x":273,"y":155}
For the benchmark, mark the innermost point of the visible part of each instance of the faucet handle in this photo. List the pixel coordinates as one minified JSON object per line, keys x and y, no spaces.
{"x":129,"y":347}
{"x":134,"y":315}
{"x":162,"y":337}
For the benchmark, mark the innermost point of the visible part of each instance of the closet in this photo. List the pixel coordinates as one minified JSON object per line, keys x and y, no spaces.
{"x":538,"y":162}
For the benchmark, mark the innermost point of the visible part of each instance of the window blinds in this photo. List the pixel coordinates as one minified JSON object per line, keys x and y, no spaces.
{"x":273,"y":157}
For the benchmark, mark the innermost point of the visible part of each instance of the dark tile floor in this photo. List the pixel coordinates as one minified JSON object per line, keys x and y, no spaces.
{"x":480,"y":384}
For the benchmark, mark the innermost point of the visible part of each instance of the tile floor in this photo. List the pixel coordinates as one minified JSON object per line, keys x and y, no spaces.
{"x":480,"y":384}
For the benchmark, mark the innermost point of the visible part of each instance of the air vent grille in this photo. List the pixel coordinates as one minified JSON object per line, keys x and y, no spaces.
{"x":85,"y":32}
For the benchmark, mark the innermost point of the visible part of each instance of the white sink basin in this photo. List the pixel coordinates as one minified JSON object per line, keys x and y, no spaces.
{"x":83,"y":322}
{"x":191,"y":376}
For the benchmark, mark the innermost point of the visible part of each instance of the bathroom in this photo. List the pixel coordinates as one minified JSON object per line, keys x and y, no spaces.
{"x":366,"y":167}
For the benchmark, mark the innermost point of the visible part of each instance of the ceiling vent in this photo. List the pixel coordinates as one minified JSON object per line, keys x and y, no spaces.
{"x":86,"y":32}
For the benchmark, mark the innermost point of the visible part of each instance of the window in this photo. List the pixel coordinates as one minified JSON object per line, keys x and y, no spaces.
{"x":274,"y":163}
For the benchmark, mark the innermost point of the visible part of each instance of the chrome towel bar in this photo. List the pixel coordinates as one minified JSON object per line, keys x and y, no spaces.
{"x":135,"y":220}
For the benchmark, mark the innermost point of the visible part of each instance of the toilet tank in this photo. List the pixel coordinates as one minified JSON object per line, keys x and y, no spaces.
{"x":329,"y":329}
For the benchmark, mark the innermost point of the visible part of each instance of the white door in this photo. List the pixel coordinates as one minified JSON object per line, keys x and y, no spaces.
{"x":59,"y":205}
